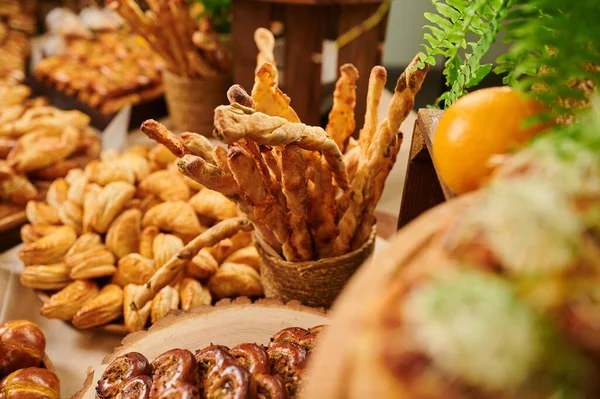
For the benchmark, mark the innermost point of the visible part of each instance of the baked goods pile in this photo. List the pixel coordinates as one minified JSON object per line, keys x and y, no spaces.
{"x":17,"y":23}
{"x":38,"y":143}
{"x":106,"y":71}
{"x":309,"y":195}
{"x":188,"y":48}
{"x":105,"y":230}
{"x":247,"y":370}
{"x":22,"y":372}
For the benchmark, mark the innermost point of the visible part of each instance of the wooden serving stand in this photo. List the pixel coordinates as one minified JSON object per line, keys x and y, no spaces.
{"x":307,"y":23}
{"x":423,"y":188}
{"x":228,"y":323}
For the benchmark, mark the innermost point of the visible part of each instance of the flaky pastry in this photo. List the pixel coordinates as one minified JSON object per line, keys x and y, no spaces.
{"x":202,"y":266}
{"x":167,"y":299}
{"x":71,"y":214}
{"x":177,"y":217}
{"x":103,"y":308}
{"x":133,"y":269}
{"x":104,"y":173}
{"x":214,"y":205}
{"x":192,"y":294}
{"x":235,"y":279}
{"x":57,"y":192}
{"x":110,"y":202}
{"x":46,"y":277}
{"x":135,"y":319}
{"x":166,"y":185}
{"x":65,"y":303}
{"x":90,"y":264}
{"x":38,"y":212}
{"x":50,"y":248}
{"x":247,"y":256}
{"x":147,"y":240}
{"x":123,"y":236}
{"x":164,"y":247}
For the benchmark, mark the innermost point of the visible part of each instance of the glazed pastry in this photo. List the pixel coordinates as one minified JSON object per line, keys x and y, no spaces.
{"x":83,"y":243}
{"x":123,"y":236}
{"x":234,"y":279}
{"x":166,"y":300}
{"x":133,"y":269}
{"x":77,"y":189}
{"x":288,"y":361}
{"x":135,"y":319}
{"x":253,"y":357}
{"x":202,"y":266}
{"x":110,"y":202}
{"x":57,"y":192}
{"x":176,"y":217}
{"x":192,"y":294}
{"x":164,"y":247}
{"x":46,"y":277}
{"x":231,"y":381}
{"x":65,"y":303}
{"x":22,"y":345}
{"x":174,"y":366}
{"x":92,"y":263}
{"x":38,"y":212}
{"x":247,"y":255}
{"x":104,"y":173}
{"x":147,"y":237}
{"x":71,"y":214}
{"x":30,"y":383}
{"x":102,"y":309}
{"x":305,"y":338}
{"x":214,"y":205}
{"x":166,"y":185}
{"x":209,"y":359}
{"x":121,"y":370}
{"x":135,"y":388}
{"x":180,"y":390}
{"x":270,"y":387}
{"x":50,"y":248}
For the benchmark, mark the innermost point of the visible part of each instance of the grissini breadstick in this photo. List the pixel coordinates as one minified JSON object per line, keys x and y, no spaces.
{"x":295,"y":189}
{"x":368,"y":220}
{"x":159,"y":133}
{"x":265,"y":42}
{"x":198,"y":145}
{"x":341,"y":118}
{"x":268,"y":98}
{"x":220,"y":157}
{"x":402,"y":103}
{"x":264,"y":206}
{"x":171,"y":270}
{"x":352,"y":159}
{"x":322,"y":211}
{"x":377,"y":81}
{"x":234,"y":122}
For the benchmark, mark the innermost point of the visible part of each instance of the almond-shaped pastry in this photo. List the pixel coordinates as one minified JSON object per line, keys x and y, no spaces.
{"x":94,"y":263}
{"x":71,"y":214}
{"x":228,"y":246}
{"x":38,"y":212}
{"x":104,"y":173}
{"x":166,"y":185}
{"x":214,"y":205}
{"x":166,"y":300}
{"x":177,"y":217}
{"x":137,"y":163}
{"x":192,"y":294}
{"x":202,"y":266}
{"x":135,"y":319}
{"x":65,"y":303}
{"x":110,"y":203}
{"x":164,"y":247}
{"x":235,"y":279}
{"x":83,"y":243}
{"x":133,"y":269}
{"x":31,"y":233}
{"x":57,"y":192}
{"x":104,"y":308}
{"x":160,"y":156}
{"x":147,"y":237}
{"x":123,"y":236}
{"x":90,"y":203}
{"x":247,"y":256}
{"x":77,"y":189}
{"x":50,"y":248}
{"x":119,"y":371}
{"x":46,"y":277}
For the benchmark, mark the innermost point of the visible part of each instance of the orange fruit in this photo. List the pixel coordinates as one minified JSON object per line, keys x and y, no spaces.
{"x":478,"y":126}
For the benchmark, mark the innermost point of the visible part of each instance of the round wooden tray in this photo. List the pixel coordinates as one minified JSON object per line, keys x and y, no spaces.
{"x":415,"y":244}
{"x":227,"y":323}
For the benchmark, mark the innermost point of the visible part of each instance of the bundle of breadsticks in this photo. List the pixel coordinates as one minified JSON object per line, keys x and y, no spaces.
{"x":309,"y":195}
{"x":188,"y":48}
{"x":112,"y":230}
{"x":38,"y":143}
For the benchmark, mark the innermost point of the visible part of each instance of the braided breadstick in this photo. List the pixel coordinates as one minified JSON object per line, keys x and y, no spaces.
{"x":377,"y":81}
{"x":159,"y":133}
{"x":368,"y":220}
{"x":198,"y":145}
{"x":321,"y":221}
{"x":220,"y":156}
{"x":265,"y":42}
{"x":402,"y":103}
{"x":235,"y":122}
{"x":295,"y":189}
{"x":341,"y":118}
{"x":265,"y":207}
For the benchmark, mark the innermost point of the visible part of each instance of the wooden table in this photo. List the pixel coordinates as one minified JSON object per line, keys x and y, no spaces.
{"x":307,"y":24}
{"x":423,"y":189}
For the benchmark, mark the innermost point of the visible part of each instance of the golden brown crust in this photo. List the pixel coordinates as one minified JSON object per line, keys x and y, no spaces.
{"x":50,"y":248}
{"x":177,"y":217}
{"x":133,"y":269}
{"x":202,"y":266}
{"x":102,"y":309}
{"x":166,"y":185}
{"x":123,"y":236}
{"x":65,"y":303}
{"x":341,"y":118}
{"x":235,"y":279}
{"x":109,"y":203}
{"x":31,"y":383}
{"x":192,"y":294}
{"x":213,"y":205}
{"x":22,"y":345}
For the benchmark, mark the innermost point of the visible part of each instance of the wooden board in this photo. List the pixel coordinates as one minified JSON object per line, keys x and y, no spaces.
{"x":228,"y":323}
{"x":326,"y":375}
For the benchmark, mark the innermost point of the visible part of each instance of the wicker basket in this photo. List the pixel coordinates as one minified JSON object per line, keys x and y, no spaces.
{"x":313,"y":283}
{"x":191,"y":102}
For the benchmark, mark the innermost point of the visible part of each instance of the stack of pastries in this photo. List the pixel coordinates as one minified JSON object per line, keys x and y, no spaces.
{"x":245,"y":371}
{"x":22,"y":372}
{"x":17,"y":23}
{"x":107,"y":71}
{"x":103,"y":232}
{"x":38,"y":143}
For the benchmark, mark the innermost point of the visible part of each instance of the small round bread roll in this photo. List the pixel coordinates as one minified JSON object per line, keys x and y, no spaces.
{"x":30,"y":383}
{"x":22,"y":345}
